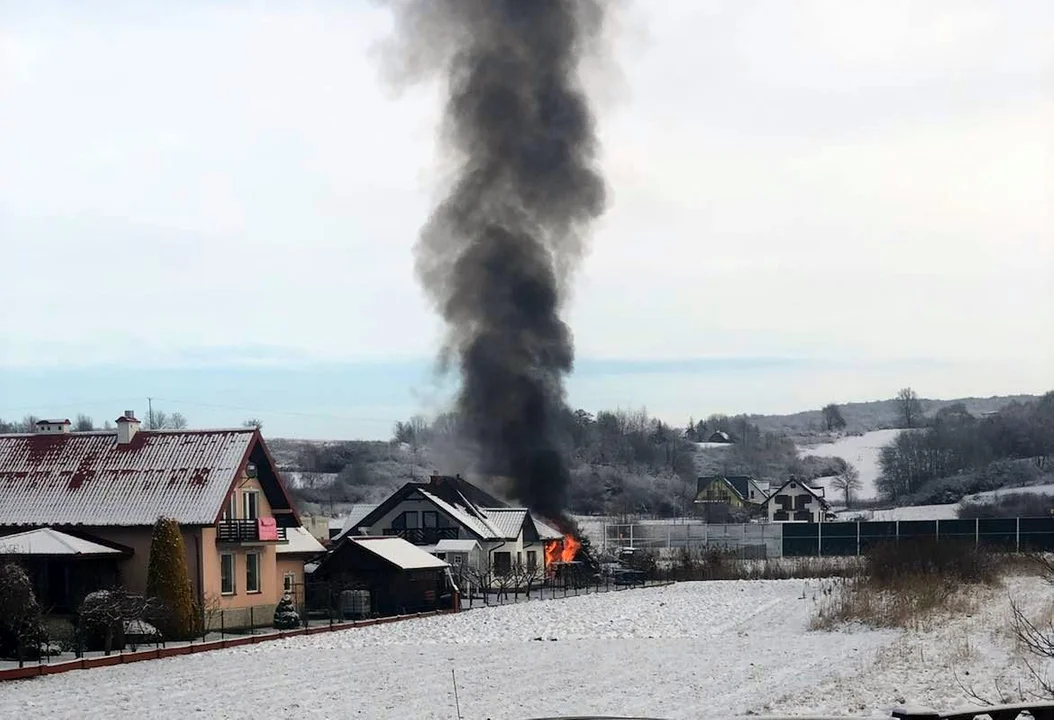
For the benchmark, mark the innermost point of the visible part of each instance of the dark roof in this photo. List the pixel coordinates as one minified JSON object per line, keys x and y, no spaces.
{"x":90,"y":479}
{"x":739,"y":484}
{"x":812,"y":491}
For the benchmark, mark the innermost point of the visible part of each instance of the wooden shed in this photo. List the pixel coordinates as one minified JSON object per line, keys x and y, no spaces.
{"x":400,"y":577}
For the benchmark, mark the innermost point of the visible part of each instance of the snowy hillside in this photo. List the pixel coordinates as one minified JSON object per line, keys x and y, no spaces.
{"x":719,"y":649}
{"x":860,"y":450}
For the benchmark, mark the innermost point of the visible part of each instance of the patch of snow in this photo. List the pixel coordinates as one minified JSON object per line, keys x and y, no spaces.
{"x":682,"y":651}
{"x":399,"y":553}
{"x":1027,"y":490}
{"x":947,"y":511}
{"x":860,"y":450}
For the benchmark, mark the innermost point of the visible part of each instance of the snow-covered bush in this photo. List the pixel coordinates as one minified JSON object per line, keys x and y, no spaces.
{"x":285,"y":615}
{"x":22,"y":631}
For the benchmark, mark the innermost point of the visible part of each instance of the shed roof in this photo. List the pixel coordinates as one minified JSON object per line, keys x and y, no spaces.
{"x":299,"y":541}
{"x":456,"y":546}
{"x":90,"y":479}
{"x":50,"y":542}
{"x":398,"y":552}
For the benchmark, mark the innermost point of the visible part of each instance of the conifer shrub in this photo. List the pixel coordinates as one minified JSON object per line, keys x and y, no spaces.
{"x":168,"y":582}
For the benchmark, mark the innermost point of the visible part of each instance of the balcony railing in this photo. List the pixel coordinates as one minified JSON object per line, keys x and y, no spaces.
{"x":245,"y":531}
{"x":423,"y":536}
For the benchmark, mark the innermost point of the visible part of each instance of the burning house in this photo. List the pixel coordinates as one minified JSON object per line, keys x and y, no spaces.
{"x":433,"y":515}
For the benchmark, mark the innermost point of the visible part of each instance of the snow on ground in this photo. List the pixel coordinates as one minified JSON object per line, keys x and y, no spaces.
{"x":1027,"y":490}
{"x":947,"y":511}
{"x":689,"y":650}
{"x":861,"y":451}
{"x":668,"y":652}
{"x":936,"y":666}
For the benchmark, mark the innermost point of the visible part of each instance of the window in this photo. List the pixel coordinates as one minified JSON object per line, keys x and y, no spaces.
{"x":532,"y":560}
{"x":519,"y":559}
{"x":288,"y":583}
{"x":251,"y":504}
{"x":252,"y":572}
{"x":502,"y":563}
{"x":457,"y":558}
{"x":226,"y":574}
{"x":406,"y":520}
{"x":230,"y":510}
{"x":430,"y":519}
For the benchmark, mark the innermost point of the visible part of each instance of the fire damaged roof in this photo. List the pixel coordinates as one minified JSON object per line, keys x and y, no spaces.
{"x":90,"y":479}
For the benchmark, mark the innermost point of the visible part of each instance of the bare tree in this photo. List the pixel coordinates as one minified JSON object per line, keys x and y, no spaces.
{"x":160,"y":420}
{"x":847,"y":480}
{"x":832,"y":417}
{"x":909,"y":408}
{"x":253,"y":423}
{"x":83,"y":423}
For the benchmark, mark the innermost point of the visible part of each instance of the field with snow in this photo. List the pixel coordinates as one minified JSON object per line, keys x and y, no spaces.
{"x":860,"y":450}
{"x":691,"y":650}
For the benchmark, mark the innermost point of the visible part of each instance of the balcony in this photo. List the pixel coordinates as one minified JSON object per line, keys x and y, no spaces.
{"x":246,"y":531}
{"x":423,"y":536}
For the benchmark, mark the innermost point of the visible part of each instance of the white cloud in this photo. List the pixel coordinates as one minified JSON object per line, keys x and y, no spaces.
{"x":845,"y":179}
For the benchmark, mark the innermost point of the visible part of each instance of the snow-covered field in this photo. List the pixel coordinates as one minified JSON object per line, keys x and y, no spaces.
{"x":691,"y":650}
{"x":860,"y":450}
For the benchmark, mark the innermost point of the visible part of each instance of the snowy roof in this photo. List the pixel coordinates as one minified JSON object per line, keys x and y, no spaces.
{"x":299,"y":540}
{"x":547,"y":532}
{"x":399,"y":553}
{"x":507,"y":523}
{"x":474,"y":509}
{"x":47,"y":541}
{"x":456,"y":546}
{"x":348,"y":522}
{"x":89,"y":479}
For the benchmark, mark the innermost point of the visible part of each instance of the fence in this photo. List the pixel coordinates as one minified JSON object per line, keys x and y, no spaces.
{"x":836,"y":539}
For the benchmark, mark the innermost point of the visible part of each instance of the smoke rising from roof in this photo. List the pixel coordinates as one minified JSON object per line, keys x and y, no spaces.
{"x":497,"y":254}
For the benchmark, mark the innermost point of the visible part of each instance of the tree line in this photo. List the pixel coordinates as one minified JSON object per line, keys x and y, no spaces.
{"x":155,"y":420}
{"x":956,"y":443}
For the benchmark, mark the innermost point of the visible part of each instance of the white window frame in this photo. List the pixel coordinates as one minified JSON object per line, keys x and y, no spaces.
{"x":255,"y":495}
{"x":288,"y":583}
{"x":230,"y":510}
{"x":259,"y":579}
{"x":233,"y":574}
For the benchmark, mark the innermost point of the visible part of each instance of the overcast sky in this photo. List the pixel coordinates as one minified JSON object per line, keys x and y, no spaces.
{"x":811,"y":201}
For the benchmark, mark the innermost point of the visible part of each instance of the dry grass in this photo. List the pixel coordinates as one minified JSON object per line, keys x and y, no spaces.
{"x":718,"y":564}
{"x":907,"y":585}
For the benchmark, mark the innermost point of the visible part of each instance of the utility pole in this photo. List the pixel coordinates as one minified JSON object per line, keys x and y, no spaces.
{"x":150,"y":412}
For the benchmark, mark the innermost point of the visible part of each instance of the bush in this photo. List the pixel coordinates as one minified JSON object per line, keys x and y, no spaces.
{"x":169,"y":582}
{"x":285,"y":615}
{"x":1010,"y":505}
{"x":905,"y":583}
{"x":22,"y":631}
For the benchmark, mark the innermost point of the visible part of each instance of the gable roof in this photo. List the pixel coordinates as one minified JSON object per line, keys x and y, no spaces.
{"x":48,"y":542}
{"x":738,"y":485}
{"x":474,"y":509}
{"x":802,"y":484}
{"x":88,"y":478}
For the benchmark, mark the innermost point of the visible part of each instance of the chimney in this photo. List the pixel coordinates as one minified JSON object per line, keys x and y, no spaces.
{"x":127,"y":427}
{"x":53,"y":427}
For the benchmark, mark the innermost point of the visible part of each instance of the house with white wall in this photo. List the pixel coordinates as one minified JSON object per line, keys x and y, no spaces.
{"x":797,"y":501}
{"x":431,"y":514}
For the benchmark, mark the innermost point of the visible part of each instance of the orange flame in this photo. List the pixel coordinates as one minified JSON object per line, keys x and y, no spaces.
{"x":561,"y":550}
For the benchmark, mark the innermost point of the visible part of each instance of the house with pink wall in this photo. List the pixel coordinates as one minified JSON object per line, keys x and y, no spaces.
{"x":110,"y":487}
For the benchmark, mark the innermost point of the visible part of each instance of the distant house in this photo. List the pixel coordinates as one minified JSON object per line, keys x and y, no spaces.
{"x":451,"y":508}
{"x":734,"y":490}
{"x":72,"y":501}
{"x":796,"y":501}
{"x":398,"y":577}
{"x":720,"y":436}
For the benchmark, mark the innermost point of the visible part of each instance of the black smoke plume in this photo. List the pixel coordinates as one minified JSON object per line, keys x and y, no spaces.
{"x":497,"y":253}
